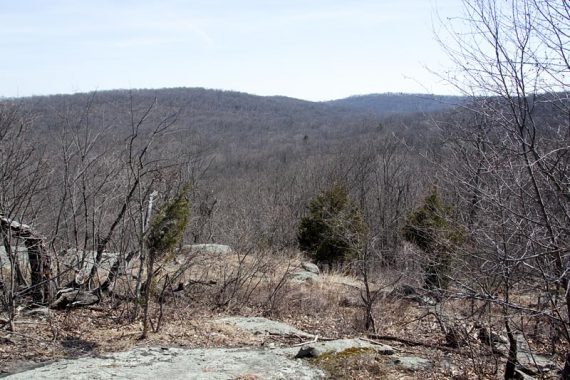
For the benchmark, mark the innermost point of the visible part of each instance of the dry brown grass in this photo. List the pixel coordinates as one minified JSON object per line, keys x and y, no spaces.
{"x":330,"y":307}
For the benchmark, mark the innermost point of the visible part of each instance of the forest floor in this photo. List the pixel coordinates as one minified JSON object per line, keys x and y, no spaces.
{"x":328,"y":307}
{"x":96,"y":331}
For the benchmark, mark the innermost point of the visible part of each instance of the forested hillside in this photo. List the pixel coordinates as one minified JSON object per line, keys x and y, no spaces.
{"x":383,"y":104}
{"x":232,"y":144}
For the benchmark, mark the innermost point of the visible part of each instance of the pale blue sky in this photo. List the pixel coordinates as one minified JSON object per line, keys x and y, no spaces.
{"x":308,"y":49}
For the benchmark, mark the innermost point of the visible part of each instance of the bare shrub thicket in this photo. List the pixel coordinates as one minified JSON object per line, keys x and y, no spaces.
{"x":505,"y":158}
{"x":77,"y":205}
{"x":23,"y":179}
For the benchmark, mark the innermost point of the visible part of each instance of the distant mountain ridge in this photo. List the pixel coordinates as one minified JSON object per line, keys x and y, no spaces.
{"x":196,"y":97}
{"x":232,"y":116}
{"x":391,"y":103}
{"x":242,"y":131}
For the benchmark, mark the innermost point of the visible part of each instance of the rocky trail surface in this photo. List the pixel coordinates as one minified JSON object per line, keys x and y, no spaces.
{"x":271,"y":362}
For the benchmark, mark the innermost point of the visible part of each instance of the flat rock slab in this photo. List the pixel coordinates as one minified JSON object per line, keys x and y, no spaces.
{"x":205,"y":364}
{"x":260,"y":325}
{"x":310,"y":267}
{"x":304,"y":276}
{"x":413,"y":363}
{"x":208,"y":248}
{"x":540,"y":362}
{"x":176,"y":363}
{"x":527,"y":359}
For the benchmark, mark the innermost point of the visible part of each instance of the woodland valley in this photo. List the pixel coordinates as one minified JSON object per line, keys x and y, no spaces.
{"x":436,"y":224}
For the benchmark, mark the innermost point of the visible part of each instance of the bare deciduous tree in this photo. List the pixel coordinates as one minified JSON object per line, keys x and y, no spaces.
{"x":511,"y":151}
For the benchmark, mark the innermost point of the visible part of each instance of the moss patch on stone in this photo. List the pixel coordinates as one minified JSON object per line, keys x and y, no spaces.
{"x":353,"y":363}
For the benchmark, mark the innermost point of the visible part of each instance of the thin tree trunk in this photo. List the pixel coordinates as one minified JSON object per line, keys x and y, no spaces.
{"x":40,"y":269}
{"x":368,"y":298}
{"x":102,"y":244}
{"x":512,"y":355}
{"x":147,"y":291}
{"x":565,"y":375}
{"x":142,"y":257}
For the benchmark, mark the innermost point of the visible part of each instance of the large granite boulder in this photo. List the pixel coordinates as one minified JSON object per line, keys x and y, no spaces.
{"x":310,"y":267}
{"x":207,"y":248}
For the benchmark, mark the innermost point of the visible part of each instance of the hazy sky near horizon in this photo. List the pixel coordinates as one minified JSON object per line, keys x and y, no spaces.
{"x":308,"y":49}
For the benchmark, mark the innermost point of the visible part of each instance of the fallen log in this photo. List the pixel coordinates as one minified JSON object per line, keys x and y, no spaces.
{"x":69,"y":298}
